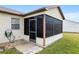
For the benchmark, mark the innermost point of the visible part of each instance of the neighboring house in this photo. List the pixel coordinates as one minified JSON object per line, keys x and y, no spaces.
{"x":42,"y":26}
{"x":70,"y":26}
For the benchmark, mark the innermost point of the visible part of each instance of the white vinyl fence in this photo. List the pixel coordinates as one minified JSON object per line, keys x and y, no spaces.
{"x":70,"y":26}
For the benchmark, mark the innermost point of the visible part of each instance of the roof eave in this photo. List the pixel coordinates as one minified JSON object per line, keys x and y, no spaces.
{"x":61,"y":13}
{"x":44,"y":9}
{"x":36,"y":11}
{"x":11,"y":13}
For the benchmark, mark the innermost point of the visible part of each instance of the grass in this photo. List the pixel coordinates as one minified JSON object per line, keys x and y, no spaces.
{"x":11,"y":51}
{"x":69,"y":44}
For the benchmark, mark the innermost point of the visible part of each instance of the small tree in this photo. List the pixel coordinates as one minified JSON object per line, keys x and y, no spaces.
{"x":10,"y":36}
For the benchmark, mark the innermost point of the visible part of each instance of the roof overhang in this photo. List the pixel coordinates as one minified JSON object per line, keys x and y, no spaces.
{"x":46,"y":8}
{"x":35,"y":11}
{"x":13,"y":12}
{"x":61,"y":13}
{"x":41,"y":9}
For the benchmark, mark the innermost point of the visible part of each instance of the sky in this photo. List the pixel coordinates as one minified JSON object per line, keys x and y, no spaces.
{"x":71,"y":12}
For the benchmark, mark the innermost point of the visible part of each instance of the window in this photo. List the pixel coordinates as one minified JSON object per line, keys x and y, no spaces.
{"x":26,"y":26}
{"x":40,"y":26}
{"x":57,"y":27}
{"x":53,"y":26}
{"x":15,"y":23}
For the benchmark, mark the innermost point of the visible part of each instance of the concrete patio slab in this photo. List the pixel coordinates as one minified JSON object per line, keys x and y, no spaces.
{"x":28,"y":48}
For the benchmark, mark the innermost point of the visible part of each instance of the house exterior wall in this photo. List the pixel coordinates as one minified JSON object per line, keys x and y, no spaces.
{"x":49,"y":40}
{"x":70,"y":26}
{"x":5,"y":23}
{"x":39,"y":41}
{"x":54,"y":38}
{"x":52,"y":12}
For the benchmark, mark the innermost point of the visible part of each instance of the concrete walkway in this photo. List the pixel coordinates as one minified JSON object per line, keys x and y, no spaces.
{"x":28,"y":48}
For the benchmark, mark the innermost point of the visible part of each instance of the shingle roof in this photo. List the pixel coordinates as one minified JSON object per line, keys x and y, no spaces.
{"x":9,"y":11}
{"x":14,"y":12}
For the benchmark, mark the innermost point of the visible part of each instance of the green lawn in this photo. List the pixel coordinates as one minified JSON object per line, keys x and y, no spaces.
{"x":69,"y":44}
{"x":11,"y":51}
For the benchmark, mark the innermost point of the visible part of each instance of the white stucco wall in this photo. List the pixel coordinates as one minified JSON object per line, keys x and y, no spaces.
{"x":49,"y":40}
{"x":39,"y":41}
{"x":54,"y":13}
{"x":52,"y":39}
{"x":26,"y":37}
{"x":70,"y":26}
{"x":5,"y":23}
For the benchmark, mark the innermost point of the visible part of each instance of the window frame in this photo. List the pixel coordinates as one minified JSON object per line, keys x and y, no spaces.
{"x":15,"y":25}
{"x":54,"y":26}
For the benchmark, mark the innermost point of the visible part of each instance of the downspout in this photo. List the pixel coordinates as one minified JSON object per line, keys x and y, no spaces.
{"x":44,"y":30}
